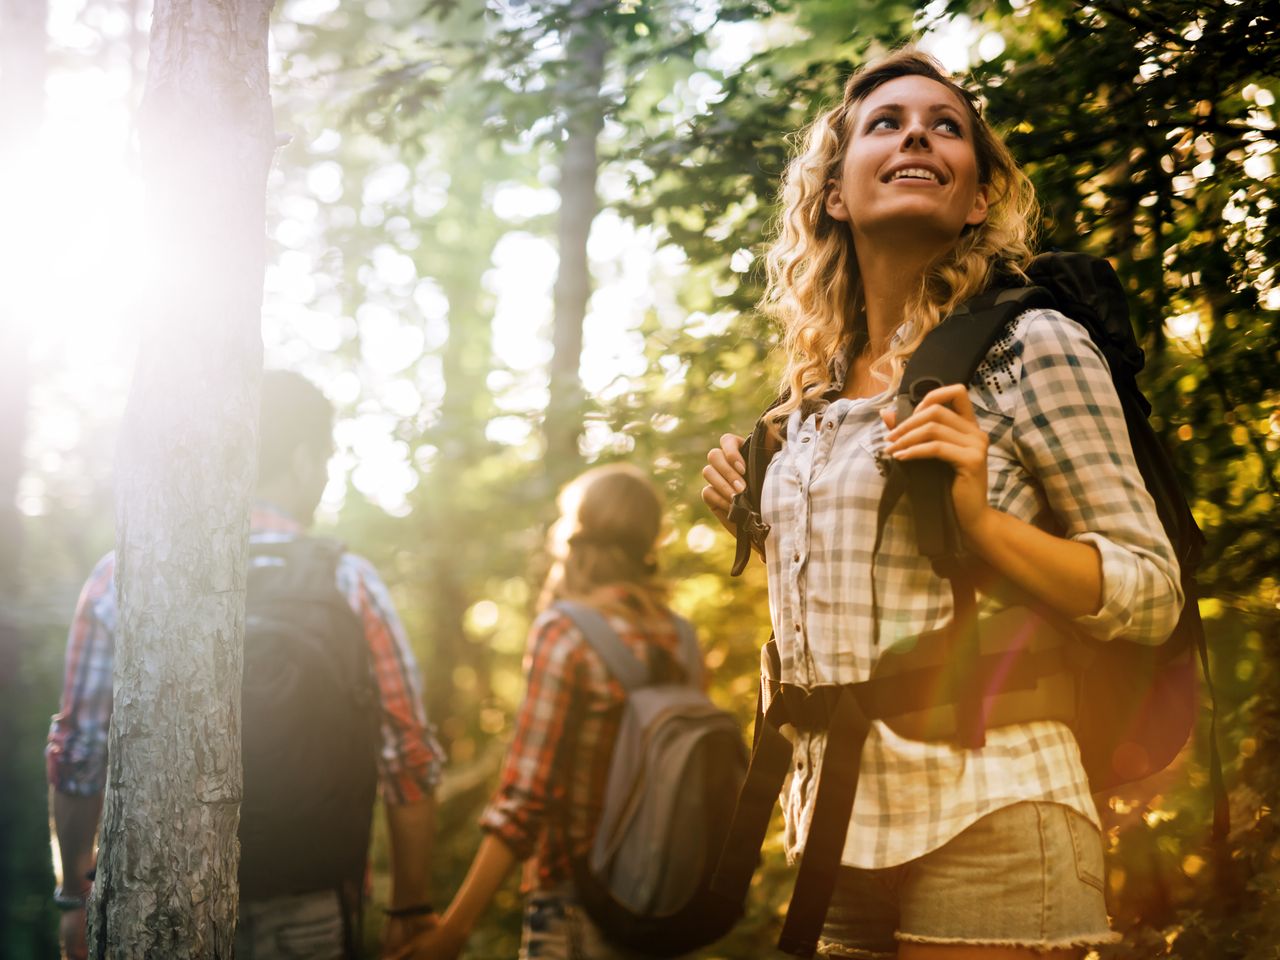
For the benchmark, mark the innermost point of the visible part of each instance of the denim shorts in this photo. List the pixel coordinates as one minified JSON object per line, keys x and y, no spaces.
{"x":1028,"y":875}
{"x":556,"y":927}
{"x":306,"y":926}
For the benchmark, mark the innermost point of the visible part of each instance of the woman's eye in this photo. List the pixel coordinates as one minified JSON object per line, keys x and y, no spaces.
{"x":882,"y":123}
{"x":951,"y":126}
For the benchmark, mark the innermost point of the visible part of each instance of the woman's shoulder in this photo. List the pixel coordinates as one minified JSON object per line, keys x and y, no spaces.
{"x":1036,"y":338}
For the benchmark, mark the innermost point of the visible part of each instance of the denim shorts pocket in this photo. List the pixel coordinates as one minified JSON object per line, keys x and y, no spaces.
{"x":1086,"y":842}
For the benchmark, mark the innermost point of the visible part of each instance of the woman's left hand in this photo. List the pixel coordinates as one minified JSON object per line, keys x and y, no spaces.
{"x":944,"y":427}
{"x":440,"y":942}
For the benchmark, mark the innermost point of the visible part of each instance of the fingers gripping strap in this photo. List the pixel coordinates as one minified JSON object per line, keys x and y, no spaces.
{"x":832,"y":809}
{"x":618,"y":659}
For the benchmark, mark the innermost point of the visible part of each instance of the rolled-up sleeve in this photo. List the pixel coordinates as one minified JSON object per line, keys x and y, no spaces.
{"x":532,"y":786}
{"x":76,"y":751}
{"x":410,"y":759}
{"x":1070,"y":432}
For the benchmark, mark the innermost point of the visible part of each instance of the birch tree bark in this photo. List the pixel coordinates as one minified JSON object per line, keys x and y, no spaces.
{"x":586,"y":46}
{"x":166,"y":881}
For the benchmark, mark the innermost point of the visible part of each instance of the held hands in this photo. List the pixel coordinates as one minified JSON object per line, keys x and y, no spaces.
{"x":724,"y":474}
{"x":399,"y":932}
{"x":439,"y":941}
{"x":944,"y":427}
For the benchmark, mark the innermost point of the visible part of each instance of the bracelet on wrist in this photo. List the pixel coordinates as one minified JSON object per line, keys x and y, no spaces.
{"x":413,"y":910}
{"x":65,"y":902}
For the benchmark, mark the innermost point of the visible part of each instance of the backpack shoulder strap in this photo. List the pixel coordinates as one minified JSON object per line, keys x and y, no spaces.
{"x":952,"y":353}
{"x":690,"y":654}
{"x":624,"y":665}
{"x":758,"y":450}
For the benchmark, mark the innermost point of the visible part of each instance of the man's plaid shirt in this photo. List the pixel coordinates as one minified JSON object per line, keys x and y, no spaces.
{"x":410,"y":758}
{"x":551,"y":794}
{"x":1059,"y":458}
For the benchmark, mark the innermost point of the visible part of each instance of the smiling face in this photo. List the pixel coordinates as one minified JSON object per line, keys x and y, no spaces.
{"x":910,"y":171}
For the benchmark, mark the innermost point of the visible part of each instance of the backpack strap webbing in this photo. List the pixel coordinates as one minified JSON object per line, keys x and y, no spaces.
{"x":622,"y":664}
{"x":744,"y":512}
{"x":951,"y":353}
{"x":690,"y":654}
{"x":844,"y":712}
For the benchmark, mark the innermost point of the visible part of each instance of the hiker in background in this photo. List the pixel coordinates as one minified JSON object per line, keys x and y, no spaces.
{"x":552,"y":791}
{"x":331,"y":710}
{"x":902,"y":205}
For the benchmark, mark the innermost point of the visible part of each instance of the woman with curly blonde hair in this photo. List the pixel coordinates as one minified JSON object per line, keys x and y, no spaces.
{"x":901,"y":205}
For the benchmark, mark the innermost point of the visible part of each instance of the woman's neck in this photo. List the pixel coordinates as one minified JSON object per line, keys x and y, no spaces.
{"x":889,"y":278}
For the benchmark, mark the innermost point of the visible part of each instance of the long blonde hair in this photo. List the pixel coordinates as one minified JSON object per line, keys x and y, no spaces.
{"x":610,"y":520}
{"x":814,"y":289}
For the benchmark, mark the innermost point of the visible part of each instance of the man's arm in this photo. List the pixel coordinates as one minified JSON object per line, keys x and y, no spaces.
{"x":412,"y":827}
{"x":76,"y":753}
{"x":75,"y":824}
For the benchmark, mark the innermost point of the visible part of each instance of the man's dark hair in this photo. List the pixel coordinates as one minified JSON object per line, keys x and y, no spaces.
{"x":294,"y":413}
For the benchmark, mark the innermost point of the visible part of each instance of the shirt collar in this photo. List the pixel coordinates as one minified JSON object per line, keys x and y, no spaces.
{"x":267,"y":517}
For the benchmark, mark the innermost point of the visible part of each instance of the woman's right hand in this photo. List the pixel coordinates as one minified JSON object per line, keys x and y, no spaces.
{"x":725,"y":472}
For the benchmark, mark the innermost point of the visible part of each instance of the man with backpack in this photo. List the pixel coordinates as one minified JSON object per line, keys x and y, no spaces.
{"x":331,"y":710}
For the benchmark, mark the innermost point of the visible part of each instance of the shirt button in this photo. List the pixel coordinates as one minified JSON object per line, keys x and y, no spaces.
{"x":804,"y":439}
{"x":797,"y":626}
{"x":795,"y":557}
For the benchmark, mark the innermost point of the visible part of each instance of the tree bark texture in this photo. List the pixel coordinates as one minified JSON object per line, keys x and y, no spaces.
{"x":586,"y":45}
{"x":166,"y":881}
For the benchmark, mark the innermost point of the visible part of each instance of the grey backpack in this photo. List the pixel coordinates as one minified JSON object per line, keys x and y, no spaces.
{"x":678,"y":764}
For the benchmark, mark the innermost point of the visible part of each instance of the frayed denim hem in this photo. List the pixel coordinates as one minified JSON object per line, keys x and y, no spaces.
{"x":836,"y":951}
{"x":1041,"y":946}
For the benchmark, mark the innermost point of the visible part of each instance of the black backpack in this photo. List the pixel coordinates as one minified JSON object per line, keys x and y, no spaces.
{"x":309,"y":727}
{"x":1142,"y":700}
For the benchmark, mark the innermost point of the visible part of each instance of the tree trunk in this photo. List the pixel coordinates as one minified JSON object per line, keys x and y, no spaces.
{"x":166,"y":882}
{"x":585,"y":46}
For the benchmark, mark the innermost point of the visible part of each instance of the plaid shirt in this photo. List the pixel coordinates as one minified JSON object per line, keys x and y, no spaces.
{"x":1059,"y":458}
{"x":551,"y":794}
{"x":76,"y":754}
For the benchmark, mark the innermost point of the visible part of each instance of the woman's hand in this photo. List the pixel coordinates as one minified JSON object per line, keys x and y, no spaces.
{"x":724,"y":474}
{"x":944,"y":427}
{"x":399,"y":932}
{"x":444,"y":941}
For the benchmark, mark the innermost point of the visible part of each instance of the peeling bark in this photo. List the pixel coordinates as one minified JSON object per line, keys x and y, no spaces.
{"x":166,"y":882}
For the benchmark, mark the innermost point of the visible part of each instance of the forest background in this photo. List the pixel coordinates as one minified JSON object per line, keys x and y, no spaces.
{"x":513,"y":239}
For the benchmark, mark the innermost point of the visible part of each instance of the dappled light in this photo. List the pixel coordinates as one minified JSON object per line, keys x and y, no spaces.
{"x":420,"y":212}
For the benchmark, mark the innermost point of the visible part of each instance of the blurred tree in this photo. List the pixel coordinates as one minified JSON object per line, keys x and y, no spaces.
{"x":166,"y":876}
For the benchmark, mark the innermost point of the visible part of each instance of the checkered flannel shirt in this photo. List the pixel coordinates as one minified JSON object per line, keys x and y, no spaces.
{"x":1059,"y":458}
{"x":76,"y":754}
{"x":551,"y":794}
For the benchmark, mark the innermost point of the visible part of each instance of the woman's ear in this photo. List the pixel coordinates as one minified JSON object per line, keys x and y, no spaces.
{"x":978,"y":214}
{"x":834,"y":202}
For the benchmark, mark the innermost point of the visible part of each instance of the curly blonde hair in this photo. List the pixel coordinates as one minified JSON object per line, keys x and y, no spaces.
{"x":813,"y":286}
{"x":605,"y":542}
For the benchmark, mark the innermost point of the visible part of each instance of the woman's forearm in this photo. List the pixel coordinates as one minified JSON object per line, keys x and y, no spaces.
{"x":492,"y":863}
{"x":1064,"y":574}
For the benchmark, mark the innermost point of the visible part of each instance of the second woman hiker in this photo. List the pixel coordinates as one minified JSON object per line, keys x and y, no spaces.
{"x":551,"y":793}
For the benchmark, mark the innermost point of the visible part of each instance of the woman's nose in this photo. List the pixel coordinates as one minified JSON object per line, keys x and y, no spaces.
{"x":915,"y":134}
